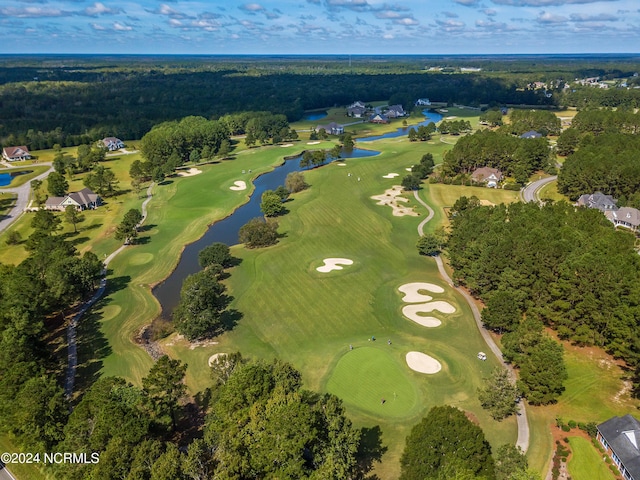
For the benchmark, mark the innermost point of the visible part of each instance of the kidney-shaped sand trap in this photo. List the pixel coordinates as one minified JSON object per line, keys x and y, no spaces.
{"x":411,"y":290}
{"x":423,"y":363}
{"x":391,"y":175}
{"x":334,"y":264}
{"x":239,"y":185}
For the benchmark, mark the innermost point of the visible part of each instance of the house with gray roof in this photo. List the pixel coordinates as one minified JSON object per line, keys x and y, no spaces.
{"x":620,"y":437}
{"x":597,"y":200}
{"x":531,"y":134}
{"x":332,"y":128}
{"x":85,"y":199}
{"x":488,"y":176}
{"x":625,"y":217}
{"x":395,"y":111}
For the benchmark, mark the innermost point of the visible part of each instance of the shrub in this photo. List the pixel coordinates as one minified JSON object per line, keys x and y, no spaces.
{"x":14,"y":238}
{"x":258,"y":233}
{"x":511,"y":186}
{"x":566,"y":428}
{"x":572,"y":424}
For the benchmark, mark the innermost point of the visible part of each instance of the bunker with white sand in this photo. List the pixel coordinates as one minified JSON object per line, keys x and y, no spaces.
{"x":423,"y":363}
{"x":334,"y":264}
{"x":412,"y":295}
{"x":239,"y":185}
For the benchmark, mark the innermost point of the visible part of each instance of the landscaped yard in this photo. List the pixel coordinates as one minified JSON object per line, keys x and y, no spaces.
{"x":586,"y":462}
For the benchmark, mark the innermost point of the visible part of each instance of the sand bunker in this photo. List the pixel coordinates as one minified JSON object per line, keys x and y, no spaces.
{"x":411,"y":294}
{"x":391,"y":175}
{"x":238,"y":185}
{"x":333,"y":264}
{"x":341,"y":164}
{"x":423,"y":363}
{"x":391,"y":197}
{"x":189,"y":173}
{"x":213,"y":357}
{"x":412,"y":311}
{"x":409,"y":169}
{"x":287,"y":145}
{"x":313,"y":143}
{"x":451,"y":117}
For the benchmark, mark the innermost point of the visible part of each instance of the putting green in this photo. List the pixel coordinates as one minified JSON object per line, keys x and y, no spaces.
{"x":366,"y":375}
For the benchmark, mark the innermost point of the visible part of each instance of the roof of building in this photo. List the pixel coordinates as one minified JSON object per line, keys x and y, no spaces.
{"x":111,"y":140}
{"x":597,"y":200}
{"x":625,"y":214}
{"x":623,"y":436}
{"x":84,"y":197}
{"x":19,"y":151}
{"x":482,"y":173}
{"x":531,"y":134}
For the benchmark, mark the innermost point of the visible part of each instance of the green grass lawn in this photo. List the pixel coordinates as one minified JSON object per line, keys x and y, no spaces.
{"x":550,"y":190}
{"x":7,"y":202}
{"x":22,"y":471}
{"x":309,"y":319}
{"x":586,"y":462}
{"x":595,"y":391}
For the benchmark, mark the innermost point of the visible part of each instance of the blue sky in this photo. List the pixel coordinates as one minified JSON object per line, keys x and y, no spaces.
{"x":320,"y":26}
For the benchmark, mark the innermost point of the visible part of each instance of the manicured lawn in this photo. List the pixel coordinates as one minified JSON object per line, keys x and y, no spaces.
{"x":595,"y":391}
{"x":586,"y":462}
{"x":7,"y":201}
{"x":309,"y":319}
{"x":550,"y":190}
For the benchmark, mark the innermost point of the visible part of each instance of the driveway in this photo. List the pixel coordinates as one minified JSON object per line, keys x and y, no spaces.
{"x":24,"y":193}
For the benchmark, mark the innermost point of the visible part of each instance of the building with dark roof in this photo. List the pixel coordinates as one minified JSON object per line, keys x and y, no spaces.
{"x":85,"y":199}
{"x":620,"y":436}
{"x":598,"y":200}
{"x":531,"y":134}
{"x":13,"y":154}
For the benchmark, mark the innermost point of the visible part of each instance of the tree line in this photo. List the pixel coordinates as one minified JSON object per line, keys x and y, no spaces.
{"x":514,"y":156}
{"x":549,"y":265}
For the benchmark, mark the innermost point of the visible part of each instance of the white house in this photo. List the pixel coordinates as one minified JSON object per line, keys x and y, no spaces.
{"x":85,"y":199}
{"x":112,"y":143}
{"x":14,"y":154}
{"x":491,"y":177}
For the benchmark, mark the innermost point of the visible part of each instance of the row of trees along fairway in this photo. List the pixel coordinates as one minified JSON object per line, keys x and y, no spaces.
{"x":37,"y":291}
{"x":554,"y":265}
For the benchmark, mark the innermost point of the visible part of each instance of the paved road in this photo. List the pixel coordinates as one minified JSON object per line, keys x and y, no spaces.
{"x":72,"y":350}
{"x":521,"y":418}
{"x":5,"y":474}
{"x":530,"y":192}
{"x":23,"y":192}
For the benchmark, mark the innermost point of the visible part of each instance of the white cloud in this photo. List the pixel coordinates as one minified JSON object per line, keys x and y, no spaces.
{"x":550,"y":18}
{"x":100,"y":9}
{"x":121,"y":28}
{"x":33,"y":12}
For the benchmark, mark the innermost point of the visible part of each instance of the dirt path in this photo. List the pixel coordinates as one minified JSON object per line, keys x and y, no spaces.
{"x":521,"y":417}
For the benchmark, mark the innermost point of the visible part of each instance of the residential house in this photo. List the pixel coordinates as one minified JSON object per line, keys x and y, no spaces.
{"x":356,"y":112}
{"x":620,"y":437}
{"x":488,"y":176}
{"x":332,"y":128}
{"x":112,"y":143}
{"x":597,"y":200}
{"x":358,"y":104}
{"x":531,"y":134}
{"x":13,"y":154}
{"x":625,"y":217}
{"x":379,"y":118}
{"x":395,"y":111}
{"x":423,"y":102}
{"x":85,"y":199}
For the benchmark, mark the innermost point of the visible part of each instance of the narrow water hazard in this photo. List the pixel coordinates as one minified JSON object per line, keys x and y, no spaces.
{"x":226,"y":230}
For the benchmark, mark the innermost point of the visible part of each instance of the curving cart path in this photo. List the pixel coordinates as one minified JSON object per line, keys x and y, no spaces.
{"x":72,"y":349}
{"x":521,"y":417}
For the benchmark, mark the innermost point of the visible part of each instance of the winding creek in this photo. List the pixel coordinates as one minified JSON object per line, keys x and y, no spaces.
{"x":226,"y":230}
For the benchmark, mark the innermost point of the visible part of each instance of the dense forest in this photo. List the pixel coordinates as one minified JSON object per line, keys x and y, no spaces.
{"x":69,"y":102}
{"x":548,"y":265}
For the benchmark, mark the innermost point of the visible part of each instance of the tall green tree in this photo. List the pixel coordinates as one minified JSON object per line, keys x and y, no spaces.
{"x":202,"y":302}
{"x":498,"y":394}
{"x":444,"y":438}
{"x":73,"y":216}
{"x":57,"y":185}
{"x":164,"y":387}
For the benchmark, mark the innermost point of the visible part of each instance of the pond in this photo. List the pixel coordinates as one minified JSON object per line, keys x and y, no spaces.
{"x":430,"y":116}
{"x":226,"y":230}
{"x":312,"y":116}
{"x":6,"y":178}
